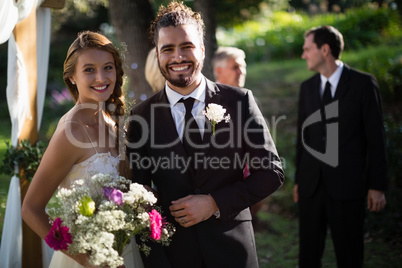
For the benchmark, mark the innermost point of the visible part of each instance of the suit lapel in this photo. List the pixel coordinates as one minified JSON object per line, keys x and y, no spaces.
{"x":315,"y":93}
{"x":211,"y":96}
{"x":164,"y":123}
{"x":166,"y":132}
{"x":343,"y":83}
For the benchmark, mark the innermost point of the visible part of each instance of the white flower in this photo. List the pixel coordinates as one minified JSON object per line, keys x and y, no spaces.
{"x":138,"y":194}
{"x":215,"y":114}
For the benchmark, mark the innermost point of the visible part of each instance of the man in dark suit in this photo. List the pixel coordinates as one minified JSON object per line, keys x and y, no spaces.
{"x":341,"y":159}
{"x":199,"y":180}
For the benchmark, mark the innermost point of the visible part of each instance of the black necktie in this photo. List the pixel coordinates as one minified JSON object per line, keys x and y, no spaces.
{"x":327,"y":97}
{"x":191,"y":134}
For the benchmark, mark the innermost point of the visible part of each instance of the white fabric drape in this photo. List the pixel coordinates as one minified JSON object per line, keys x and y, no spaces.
{"x":17,"y":90}
{"x":11,"y":12}
{"x":43,"y":26}
{"x":18,"y":104}
{"x":11,"y":238}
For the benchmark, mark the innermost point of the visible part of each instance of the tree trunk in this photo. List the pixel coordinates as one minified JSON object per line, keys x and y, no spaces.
{"x":207,"y":10}
{"x":25,"y":36}
{"x":131,"y":20}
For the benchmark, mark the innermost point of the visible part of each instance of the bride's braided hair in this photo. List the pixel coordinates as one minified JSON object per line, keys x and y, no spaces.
{"x":114,"y":106}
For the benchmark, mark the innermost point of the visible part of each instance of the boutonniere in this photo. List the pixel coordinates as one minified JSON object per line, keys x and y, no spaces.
{"x":215,"y":114}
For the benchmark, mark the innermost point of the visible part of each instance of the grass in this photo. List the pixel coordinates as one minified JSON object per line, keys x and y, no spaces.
{"x":277,"y":245}
{"x":275,"y":86}
{"x":5,"y":130}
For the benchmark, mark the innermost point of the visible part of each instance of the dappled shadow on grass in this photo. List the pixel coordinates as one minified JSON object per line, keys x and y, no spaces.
{"x":277,"y":240}
{"x":277,"y":244}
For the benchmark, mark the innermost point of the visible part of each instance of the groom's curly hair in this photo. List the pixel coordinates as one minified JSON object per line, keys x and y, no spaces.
{"x":175,"y":14}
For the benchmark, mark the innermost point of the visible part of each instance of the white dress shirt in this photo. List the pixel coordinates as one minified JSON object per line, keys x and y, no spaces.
{"x":179,"y":110}
{"x":333,"y":79}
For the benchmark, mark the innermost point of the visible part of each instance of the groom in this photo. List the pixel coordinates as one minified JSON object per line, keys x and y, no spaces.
{"x":198,"y":170}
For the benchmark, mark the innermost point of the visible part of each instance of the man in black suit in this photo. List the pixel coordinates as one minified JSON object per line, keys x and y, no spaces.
{"x":199,"y":180}
{"x":341,"y":159}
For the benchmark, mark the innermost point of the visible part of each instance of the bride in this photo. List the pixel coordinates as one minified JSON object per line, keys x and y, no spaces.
{"x":86,"y":140}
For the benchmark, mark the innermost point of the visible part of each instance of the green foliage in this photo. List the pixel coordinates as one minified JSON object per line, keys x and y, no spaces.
{"x":77,"y":13}
{"x":387,"y":223}
{"x":279,"y":35}
{"x":385,"y":63}
{"x":275,"y":86}
{"x":318,"y":6}
{"x":368,"y":26}
{"x":394,"y":151}
{"x":25,"y":156}
{"x":232,"y":12}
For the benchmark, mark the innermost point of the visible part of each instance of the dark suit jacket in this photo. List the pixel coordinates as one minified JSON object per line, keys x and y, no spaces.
{"x":224,"y":242}
{"x":361,"y":138}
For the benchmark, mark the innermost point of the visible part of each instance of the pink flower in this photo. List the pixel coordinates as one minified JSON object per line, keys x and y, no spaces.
{"x":246,"y":171}
{"x":156,"y":224}
{"x":58,"y":236}
{"x":113,"y":195}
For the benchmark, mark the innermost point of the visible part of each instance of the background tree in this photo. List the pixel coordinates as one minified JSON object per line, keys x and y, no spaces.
{"x":207,"y":9}
{"x":131,"y":20}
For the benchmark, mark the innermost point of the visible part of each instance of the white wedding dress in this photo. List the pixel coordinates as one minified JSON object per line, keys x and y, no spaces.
{"x":98,"y":163}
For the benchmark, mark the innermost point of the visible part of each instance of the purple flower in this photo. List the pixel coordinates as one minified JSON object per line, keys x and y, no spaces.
{"x":58,"y":236}
{"x":113,"y":195}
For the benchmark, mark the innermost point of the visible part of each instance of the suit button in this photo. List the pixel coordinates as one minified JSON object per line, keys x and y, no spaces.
{"x":197,"y":191}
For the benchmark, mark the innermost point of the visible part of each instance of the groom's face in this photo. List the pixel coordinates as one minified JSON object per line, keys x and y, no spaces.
{"x":181,"y":54}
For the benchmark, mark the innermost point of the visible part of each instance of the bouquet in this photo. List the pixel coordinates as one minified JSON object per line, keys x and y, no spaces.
{"x":99,"y":217}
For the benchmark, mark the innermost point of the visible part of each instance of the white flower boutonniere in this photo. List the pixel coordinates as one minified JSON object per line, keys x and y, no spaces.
{"x":215,"y":114}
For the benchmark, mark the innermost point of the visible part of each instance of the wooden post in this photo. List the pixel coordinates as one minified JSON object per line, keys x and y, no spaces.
{"x":25,"y":36}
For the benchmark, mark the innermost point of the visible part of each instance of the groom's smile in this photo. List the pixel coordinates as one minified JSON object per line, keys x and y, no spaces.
{"x":180,"y":53}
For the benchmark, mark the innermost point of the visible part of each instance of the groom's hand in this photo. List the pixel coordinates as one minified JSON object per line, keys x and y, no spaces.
{"x":193,"y":209}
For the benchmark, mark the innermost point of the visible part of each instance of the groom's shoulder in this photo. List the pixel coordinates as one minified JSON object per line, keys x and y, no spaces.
{"x":145,"y":106}
{"x":230,"y":91}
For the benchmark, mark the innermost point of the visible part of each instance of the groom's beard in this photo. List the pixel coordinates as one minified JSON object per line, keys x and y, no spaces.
{"x":182,"y":80}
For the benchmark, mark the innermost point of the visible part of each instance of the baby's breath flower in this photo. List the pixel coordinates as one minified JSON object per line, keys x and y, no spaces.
{"x":101,"y":226}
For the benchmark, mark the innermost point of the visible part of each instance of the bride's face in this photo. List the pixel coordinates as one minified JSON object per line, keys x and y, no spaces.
{"x":94,"y":76}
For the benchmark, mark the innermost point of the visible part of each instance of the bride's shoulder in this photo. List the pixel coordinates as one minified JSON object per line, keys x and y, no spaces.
{"x":66,"y":144}
{"x":71,"y":130}
{"x":70,"y":124}
{"x":71,"y":134}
